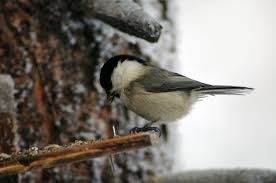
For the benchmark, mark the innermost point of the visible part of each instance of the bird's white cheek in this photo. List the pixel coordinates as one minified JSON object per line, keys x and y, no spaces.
{"x":116,"y":81}
{"x":125,"y":73}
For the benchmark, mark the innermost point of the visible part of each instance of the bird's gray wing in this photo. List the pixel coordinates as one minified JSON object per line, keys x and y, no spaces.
{"x":165,"y":81}
{"x":174,"y":86}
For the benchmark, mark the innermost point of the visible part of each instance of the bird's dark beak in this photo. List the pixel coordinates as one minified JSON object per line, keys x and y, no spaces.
{"x":110,"y":97}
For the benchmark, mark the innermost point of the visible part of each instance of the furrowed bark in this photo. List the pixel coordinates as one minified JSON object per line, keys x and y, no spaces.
{"x":54,"y":50}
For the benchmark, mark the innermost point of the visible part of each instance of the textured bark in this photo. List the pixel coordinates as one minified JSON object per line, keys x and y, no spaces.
{"x":7,"y":133}
{"x":53,"y":52}
{"x":7,"y":121}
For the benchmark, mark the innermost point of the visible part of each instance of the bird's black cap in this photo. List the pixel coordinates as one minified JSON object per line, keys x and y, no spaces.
{"x":108,"y":67}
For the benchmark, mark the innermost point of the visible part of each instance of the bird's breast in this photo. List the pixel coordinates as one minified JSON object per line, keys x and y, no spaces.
{"x":158,"y":107}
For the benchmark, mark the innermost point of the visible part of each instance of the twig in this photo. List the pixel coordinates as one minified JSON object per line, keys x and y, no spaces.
{"x":128,"y":17}
{"x":54,"y":155}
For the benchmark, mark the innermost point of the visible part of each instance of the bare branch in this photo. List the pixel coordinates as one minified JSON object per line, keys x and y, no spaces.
{"x":54,"y":155}
{"x":128,"y":17}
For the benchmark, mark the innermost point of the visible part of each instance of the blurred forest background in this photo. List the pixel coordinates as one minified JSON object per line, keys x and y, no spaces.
{"x":53,"y":51}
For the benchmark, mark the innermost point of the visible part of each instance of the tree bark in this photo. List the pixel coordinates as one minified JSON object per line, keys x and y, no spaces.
{"x":7,"y":121}
{"x":54,"y":51}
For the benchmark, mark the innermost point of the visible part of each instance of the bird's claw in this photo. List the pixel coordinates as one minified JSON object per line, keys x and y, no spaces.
{"x":145,"y":129}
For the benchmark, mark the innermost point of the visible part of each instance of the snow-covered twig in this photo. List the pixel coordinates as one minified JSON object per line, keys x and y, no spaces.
{"x":220,"y":176}
{"x":54,"y":155}
{"x":128,"y":17}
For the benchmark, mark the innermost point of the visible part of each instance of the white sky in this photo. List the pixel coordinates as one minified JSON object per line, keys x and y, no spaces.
{"x":228,"y":42}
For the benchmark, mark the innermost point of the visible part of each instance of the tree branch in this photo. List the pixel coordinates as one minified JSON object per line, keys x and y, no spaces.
{"x":128,"y":17}
{"x":53,"y":155}
{"x":220,"y":175}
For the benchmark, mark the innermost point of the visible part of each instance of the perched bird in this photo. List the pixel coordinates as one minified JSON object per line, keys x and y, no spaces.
{"x":153,"y":93}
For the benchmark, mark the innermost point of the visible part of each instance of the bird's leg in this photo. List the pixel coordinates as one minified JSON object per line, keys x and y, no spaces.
{"x":146,"y":128}
{"x":110,"y":156}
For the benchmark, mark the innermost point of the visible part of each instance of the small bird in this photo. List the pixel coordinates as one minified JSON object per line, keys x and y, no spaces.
{"x":153,"y":93}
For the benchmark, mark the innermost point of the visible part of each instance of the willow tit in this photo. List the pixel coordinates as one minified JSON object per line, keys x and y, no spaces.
{"x":154,"y":93}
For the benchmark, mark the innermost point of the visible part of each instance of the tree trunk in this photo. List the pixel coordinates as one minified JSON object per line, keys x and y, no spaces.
{"x":54,"y":51}
{"x":7,"y":122}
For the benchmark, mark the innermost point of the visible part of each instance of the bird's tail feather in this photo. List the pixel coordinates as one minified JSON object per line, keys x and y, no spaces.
{"x":223,"y":90}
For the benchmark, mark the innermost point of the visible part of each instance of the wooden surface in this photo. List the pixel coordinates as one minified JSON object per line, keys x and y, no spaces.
{"x":54,"y":155}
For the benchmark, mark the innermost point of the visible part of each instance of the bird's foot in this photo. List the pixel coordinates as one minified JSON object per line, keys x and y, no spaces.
{"x":145,"y":129}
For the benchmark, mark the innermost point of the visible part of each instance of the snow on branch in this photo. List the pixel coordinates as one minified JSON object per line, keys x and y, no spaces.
{"x":128,"y":17}
{"x":221,"y":176}
{"x":53,"y":155}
